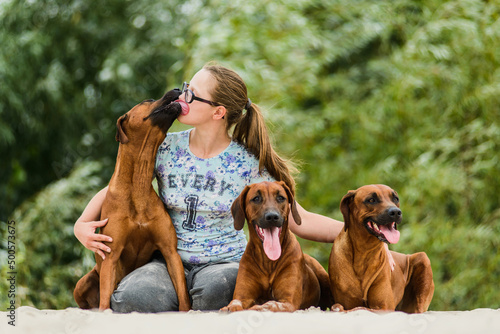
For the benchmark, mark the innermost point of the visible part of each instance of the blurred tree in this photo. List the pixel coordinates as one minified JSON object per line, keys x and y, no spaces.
{"x":68,"y":71}
{"x":48,"y":260}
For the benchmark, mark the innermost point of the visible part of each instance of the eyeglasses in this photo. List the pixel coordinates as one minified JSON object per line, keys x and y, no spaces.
{"x":189,"y":96}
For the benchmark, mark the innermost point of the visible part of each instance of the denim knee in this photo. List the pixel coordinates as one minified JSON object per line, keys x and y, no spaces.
{"x":147,"y":289}
{"x":213,"y":286}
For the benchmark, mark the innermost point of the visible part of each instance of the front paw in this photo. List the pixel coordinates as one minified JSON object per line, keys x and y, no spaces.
{"x":337,"y":308}
{"x":274,"y":306}
{"x":234,"y":306}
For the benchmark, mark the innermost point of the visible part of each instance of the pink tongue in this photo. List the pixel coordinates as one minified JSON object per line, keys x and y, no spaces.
{"x":184,"y":105}
{"x":272,"y":246}
{"x":390,"y":233}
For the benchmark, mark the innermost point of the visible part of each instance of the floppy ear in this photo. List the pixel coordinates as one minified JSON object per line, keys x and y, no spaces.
{"x":291,"y":200}
{"x":345,"y":208}
{"x":120,"y":134}
{"x":238,"y":209}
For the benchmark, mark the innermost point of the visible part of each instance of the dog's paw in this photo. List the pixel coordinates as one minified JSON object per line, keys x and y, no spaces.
{"x":234,"y":306}
{"x":337,"y":308}
{"x":274,"y":306}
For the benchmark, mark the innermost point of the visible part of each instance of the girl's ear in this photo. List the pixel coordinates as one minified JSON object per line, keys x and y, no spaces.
{"x":219,"y":112}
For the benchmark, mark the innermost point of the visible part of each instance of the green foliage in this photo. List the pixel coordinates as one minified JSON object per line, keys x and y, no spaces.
{"x":403,"y":92}
{"x":49,"y":259}
{"x":68,"y":71}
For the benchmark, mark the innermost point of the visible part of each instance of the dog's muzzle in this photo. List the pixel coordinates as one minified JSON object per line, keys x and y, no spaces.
{"x":385,"y":225}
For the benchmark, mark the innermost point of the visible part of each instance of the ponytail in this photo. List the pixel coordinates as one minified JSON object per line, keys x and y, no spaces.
{"x":249,"y":129}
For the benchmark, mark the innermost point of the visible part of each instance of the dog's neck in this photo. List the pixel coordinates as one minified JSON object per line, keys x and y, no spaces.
{"x":134,"y":167}
{"x":367,"y":244}
{"x":367,"y":252}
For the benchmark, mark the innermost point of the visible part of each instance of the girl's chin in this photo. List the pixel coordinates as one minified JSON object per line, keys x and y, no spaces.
{"x":184,"y":119}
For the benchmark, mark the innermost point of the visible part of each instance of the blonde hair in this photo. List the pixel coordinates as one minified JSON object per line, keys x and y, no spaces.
{"x":249,"y":128}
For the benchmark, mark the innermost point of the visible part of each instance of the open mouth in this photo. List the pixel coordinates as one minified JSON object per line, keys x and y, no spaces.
{"x":384,"y":232}
{"x":270,"y":241}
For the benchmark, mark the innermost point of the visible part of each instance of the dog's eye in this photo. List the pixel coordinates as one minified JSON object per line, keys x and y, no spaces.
{"x":280,"y":198}
{"x":395,"y":199}
{"x":371,"y":200}
{"x":256,"y":199}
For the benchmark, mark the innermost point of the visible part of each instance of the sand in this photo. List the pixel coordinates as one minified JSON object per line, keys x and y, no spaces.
{"x":75,"y":321}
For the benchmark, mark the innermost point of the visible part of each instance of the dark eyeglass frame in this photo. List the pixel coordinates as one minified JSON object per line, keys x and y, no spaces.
{"x":185,"y":89}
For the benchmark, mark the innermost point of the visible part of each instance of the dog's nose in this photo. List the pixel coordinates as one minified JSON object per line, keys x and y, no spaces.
{"x":394,"y":212}
{"x":271,"y":217}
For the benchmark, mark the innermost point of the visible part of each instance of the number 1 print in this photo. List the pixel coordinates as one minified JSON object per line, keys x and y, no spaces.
{"x":192,"y":203}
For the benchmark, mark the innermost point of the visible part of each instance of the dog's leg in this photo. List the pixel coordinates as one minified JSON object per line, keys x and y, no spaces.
{"x":166,"y":241}
{"x":242,"y":300}
{"x":380,"y":295}
{"x":248,"y":289}
{"x":288,"y":291}
{"x":326,"y":298}
{"x":109,"y":278}
{"x":176,"y":272}
{"x":420,"y":289}
{"x":86,"y":292}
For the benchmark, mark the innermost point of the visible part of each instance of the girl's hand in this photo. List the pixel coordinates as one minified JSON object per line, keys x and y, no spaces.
{"x":85,"y":233}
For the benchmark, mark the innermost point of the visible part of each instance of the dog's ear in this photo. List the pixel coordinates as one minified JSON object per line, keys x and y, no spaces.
{"x":345,"y":205}
{"x":238,"y":209}
{"x":120,"y":134}
{"x":291,"y":200}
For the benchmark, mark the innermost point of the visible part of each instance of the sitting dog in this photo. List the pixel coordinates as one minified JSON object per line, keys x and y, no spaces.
{"x":274,"y":274}
{"x":360,"y":275}
{"x":137,"y":219}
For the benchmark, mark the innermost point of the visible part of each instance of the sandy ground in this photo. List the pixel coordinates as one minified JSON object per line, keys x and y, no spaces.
{"x":75,"y":321}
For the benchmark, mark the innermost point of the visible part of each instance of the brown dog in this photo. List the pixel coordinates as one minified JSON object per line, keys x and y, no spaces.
{"x":360,"y":275}
{"x":274,"y":274}
{"x":138,"y":222}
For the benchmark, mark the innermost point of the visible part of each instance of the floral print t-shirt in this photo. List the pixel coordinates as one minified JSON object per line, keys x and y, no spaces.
{"x":198,"y":194}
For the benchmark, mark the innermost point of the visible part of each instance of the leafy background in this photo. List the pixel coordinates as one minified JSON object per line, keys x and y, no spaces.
{"x":402,"y":92}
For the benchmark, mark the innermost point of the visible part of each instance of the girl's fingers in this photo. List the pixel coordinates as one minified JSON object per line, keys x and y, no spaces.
{"x":101,"y":253}
{"x":102,"y":237}
{"x":100,"y":223}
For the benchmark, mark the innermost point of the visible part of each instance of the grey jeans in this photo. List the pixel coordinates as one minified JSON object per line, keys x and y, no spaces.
{"x":148,"y":289}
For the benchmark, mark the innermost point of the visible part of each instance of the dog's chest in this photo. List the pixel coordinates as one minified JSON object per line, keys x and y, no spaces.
{"x":141,"y":224}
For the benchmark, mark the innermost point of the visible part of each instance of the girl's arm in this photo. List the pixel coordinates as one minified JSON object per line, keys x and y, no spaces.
{"x":315,"y":227}
{"x":88,"y":222}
